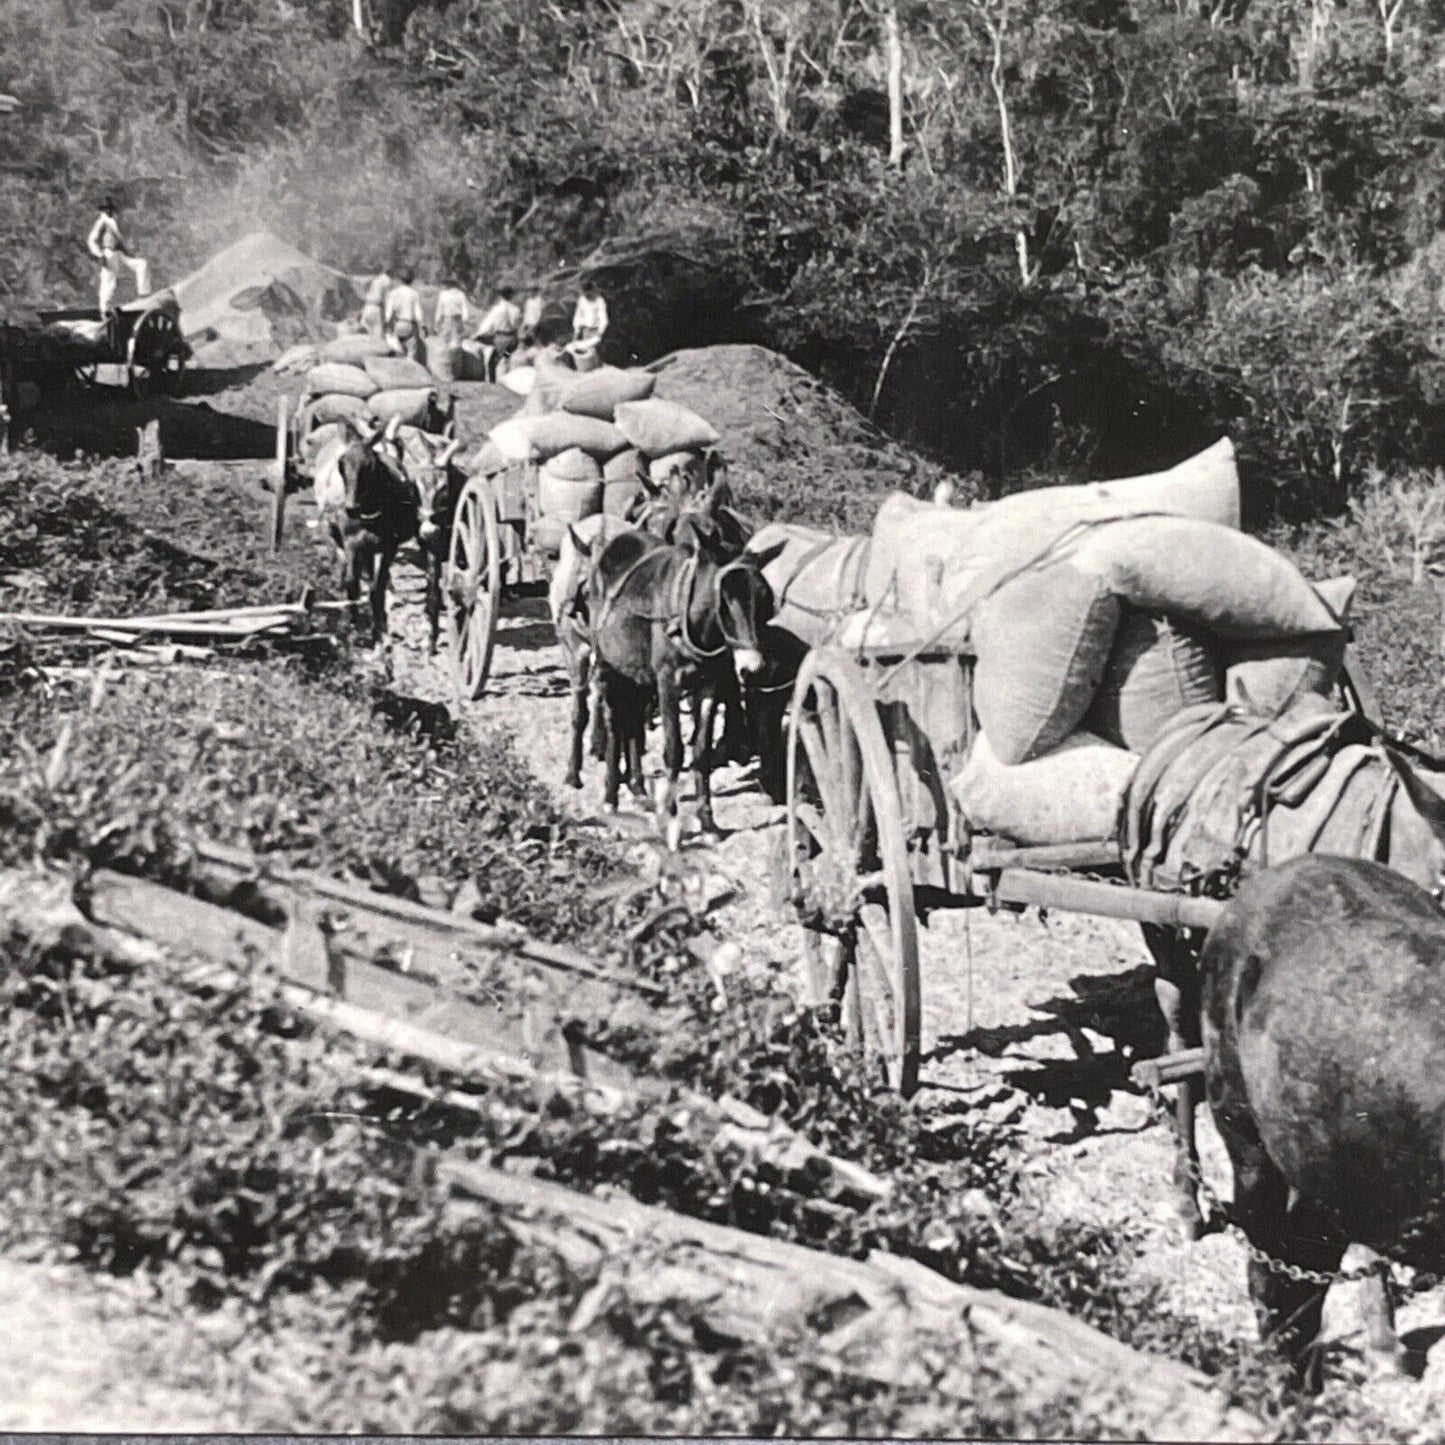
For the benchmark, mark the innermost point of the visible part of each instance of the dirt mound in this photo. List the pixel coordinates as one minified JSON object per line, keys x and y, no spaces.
{"x":797,"y":449}
{"x":250,"y":301}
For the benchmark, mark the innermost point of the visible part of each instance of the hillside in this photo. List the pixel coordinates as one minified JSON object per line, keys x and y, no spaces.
{"x":1073,"y":237}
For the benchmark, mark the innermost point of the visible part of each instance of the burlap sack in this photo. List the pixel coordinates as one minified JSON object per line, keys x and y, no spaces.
{"x":1155,"y":669}
{"x":354,"y":350}
{"x":1068,"y":795}
{"x":1042,"y":641}
{"x":400,"y":373}
{"x":569,"y":486}
{"x":1205,"y":574}
{"x":656,"y":427}
{"x":412,"y":407}
{"x":1266,"y":677}
{"x":561,"y":431}
{"x":816,"y":579}
{"x":323,"y":409}
{"x":599,"y":393}
{"x":336,"y":378}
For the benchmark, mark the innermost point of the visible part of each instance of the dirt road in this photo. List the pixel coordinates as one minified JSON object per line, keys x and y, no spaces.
{"x":1028,"y":1015}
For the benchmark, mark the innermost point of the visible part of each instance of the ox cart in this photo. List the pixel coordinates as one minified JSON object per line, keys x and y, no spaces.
{"x":875,"y":840}
{"x":502,"y":539}
{"x":138,"y":346}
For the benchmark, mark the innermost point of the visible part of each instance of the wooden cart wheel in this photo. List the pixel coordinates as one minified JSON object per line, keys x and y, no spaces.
{"x":281,"y":475}
{"x":848,"y":863}
{"x":473,"y":587}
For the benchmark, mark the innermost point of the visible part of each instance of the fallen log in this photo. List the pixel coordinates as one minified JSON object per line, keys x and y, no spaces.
{"x":128,"y":629}
{"x":884,"y":1319}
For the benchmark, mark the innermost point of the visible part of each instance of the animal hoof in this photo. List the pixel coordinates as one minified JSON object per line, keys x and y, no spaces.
{"x":574,"y":780}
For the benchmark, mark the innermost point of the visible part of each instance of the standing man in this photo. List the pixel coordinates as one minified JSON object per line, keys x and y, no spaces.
{"x":403,"y":312}
{"x":589,"y":320}
{"x":373,"y":306}
{"x":108,"y":246}
{"x":499,"y":329}
{"x":453,"y":312}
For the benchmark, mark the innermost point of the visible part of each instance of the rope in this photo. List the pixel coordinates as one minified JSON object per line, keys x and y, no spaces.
{"x":985,"y":589}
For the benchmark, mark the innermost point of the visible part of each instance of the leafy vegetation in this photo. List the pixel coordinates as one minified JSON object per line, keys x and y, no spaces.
{"x":1081,"y":235}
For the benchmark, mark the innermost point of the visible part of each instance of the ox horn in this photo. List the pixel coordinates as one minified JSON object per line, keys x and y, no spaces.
{"x":369,"y":436}
{"x":448,"y":452}
{"x":392,"y":427}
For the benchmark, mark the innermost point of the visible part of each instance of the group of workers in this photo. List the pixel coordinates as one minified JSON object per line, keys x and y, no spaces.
{"x":393,"y":308}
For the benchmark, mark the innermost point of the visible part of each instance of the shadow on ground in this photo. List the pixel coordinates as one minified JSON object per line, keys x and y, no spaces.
{"x":1119,"y":1008}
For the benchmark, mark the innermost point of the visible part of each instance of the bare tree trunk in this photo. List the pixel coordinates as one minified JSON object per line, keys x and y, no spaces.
{"x":893,"y":42}
{"x":1389,"y":15}
{"x":996,"y":28}
{"x":899,"y":337}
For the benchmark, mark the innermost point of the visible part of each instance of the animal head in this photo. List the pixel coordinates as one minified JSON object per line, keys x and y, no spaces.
{"x":433,"y":479}
{"x":371,"y":446}
{"x":745,"y":607}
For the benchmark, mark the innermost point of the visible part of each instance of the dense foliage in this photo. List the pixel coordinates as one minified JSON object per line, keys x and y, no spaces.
{"x":1104,"y":230}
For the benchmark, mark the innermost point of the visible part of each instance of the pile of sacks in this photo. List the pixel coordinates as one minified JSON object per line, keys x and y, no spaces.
{"x":593,"y":436}
{"x":1095,"y":616}
{"x":358,"y":378}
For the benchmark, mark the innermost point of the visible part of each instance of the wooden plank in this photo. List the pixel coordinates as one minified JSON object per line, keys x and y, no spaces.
{"x":245,"y":866}
{"x":988,"y":854}
{"x":1106,"y":900}
{"x":1169,"y":1069}
{"x":325,"y":981}
{"x":178,"y":921}
{"x":885,"y":1319}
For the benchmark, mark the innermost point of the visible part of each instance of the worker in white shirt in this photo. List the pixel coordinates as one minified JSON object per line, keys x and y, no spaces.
{"x":532,"y":309}
{"x":589,"y":320}
{"x":108,"y":246}
{"x":373,"y":306}
{"x":403,"y":312}
{"x":453,"y":313}
{"x":499,"y":330}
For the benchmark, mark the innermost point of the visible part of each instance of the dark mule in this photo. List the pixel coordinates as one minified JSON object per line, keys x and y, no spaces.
{"x":429,"y":466}
{"x":699,"y":516}
{"x":378,"y":514}
{"x":668,"y":622}
{"x":1324,"y":1031}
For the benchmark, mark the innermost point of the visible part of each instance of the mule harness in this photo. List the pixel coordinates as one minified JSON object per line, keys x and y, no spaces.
{"x":683,"y":592}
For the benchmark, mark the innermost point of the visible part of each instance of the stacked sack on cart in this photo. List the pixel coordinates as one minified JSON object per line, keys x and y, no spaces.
{"x":358,"y":379}
{"x":593,"y":437}
{"x":1097,"y":615}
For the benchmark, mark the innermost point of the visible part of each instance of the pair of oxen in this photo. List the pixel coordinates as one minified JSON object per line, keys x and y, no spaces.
{"x":665,"y":605}
{"x":378,"y":488}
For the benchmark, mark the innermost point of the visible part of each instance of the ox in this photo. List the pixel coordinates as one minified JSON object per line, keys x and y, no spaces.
{"x":429,"y":464}
{"x":370,"y":509}
{"x":1324,"y":1028}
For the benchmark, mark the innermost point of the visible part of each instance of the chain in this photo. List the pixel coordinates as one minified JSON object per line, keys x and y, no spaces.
{"x":1219,"y":1213}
